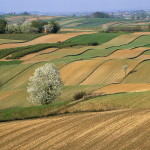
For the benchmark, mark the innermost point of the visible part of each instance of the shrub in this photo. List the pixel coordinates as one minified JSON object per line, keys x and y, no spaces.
{"x":38,"y":24}
{"x":79,"y":95}
{"x":93,"y":43}
{"x":45,"y":85}
{"x":52,"y":27}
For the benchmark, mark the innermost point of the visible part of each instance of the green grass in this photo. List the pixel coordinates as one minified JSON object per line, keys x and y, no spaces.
{"x":147,"y":52}
{"x":5,"y":41}
{"x":103,"y":103}
{"x":22,"y":51}
{"x":10,"y":62}
{"x":90,"y":22}
{"x":30,"y":112}
{"x":23,"y":37}
{"x":140,"y":42}
{"x":96,"y":37}
{"x":113,"y":102}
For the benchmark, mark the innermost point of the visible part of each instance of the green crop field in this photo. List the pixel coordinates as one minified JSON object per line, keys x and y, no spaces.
{"x":115,"y":101}
{"x":20,"y":37}
{"x":97,"y":37}
{"x":87,"y":22}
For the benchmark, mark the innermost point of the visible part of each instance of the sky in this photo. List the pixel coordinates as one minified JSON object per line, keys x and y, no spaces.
{"x":72,"y":5}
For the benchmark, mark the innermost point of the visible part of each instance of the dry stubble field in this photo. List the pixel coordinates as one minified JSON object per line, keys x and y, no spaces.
{"x":119,"y":130}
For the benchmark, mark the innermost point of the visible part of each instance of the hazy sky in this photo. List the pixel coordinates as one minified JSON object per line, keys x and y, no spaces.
{"x":71,"y":5}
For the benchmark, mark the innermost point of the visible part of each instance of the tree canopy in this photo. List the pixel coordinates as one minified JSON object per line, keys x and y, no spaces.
{"x":3,"y":24}
{"x":100,"y":15}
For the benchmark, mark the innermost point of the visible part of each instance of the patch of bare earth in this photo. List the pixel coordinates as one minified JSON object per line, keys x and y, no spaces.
{"x":127,"y":129}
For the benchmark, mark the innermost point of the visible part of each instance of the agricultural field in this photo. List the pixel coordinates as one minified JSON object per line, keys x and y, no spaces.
{"x":110,"y":69}
{"x":61,"y":132}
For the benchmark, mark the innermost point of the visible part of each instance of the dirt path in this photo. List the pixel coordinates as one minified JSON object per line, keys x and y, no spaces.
{"x":128,"y":129}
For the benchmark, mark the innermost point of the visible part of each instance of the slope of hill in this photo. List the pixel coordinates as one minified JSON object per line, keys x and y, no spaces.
{"x":126,"y":129}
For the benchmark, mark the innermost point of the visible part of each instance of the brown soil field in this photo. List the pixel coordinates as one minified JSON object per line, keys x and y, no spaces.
{"x":119,"y":88}
{"x":76,"y":72}
{"x":50,"y":38}
{"x":110,"y":72}
{"x":129,"y":53}
{"x":144,"y":57}
{"x":126,"y":129}
{"x":141,"y":33}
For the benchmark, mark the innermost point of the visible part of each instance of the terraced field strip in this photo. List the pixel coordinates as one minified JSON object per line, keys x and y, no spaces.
{"x":30,"y":56}
{"x":119,"y":88}
{"x":128,"y":129}
{"x":110,"y":72}
{"x":51,"y":38}
{"x":140,"y":74}
{"x":120,"y":40}
{"x":144,"y":57}
{"x":4,"y":41}
{"x":19,"y":79}
{"x":141,"y":33}
{"x":57,"y":54}
{"x":75,"y":72}
{"x":103,"y":51}
{"x":136,"y":100}
{"x":14,"y":98}
{"x":7,"y":72}
{"x":129,"y":53}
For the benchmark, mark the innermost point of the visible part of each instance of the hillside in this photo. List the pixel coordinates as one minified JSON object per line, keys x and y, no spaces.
{"x":126,"y":129}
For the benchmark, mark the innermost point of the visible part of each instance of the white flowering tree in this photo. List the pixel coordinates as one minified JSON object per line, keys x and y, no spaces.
{"x":45,"y":85}
{"x":105,"y":28}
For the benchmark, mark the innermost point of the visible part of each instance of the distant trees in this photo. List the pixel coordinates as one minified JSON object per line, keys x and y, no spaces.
{"x":45,"y":85}
{"x":39,"y":25}
{"x":100,"y":15}
{"x":3,"y":25}
{"x":52,"y":27}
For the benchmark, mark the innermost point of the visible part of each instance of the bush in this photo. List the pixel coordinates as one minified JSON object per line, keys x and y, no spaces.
{"x":3,"y":25}
{"x":79,"y":95}
{"x":45,"y":85}
{"x":93,"y":43}
{"x":38,"y":24}
{"x":52,"y":27}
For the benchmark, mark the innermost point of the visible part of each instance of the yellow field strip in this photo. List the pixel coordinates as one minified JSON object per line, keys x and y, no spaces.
{"x":119,"y":88}
{"x":74,"y":73}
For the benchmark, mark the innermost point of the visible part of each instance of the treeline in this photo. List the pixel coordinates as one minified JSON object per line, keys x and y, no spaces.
{"x":107,"y":28}
{"x":29,"y":27}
